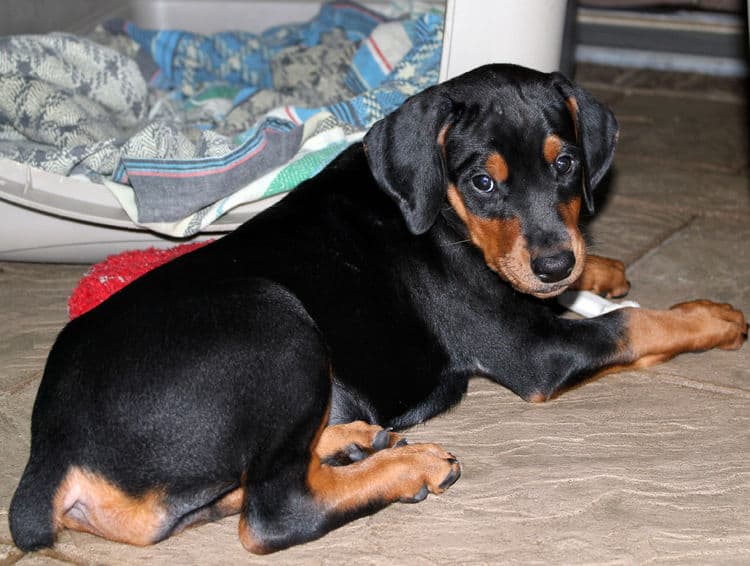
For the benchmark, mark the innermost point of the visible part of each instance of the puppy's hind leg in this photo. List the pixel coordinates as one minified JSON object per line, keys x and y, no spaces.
{"x":292,"y":492}
{"x":305,"y":499}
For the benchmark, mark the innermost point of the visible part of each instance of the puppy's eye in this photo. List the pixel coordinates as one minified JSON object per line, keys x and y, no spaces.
{"x":563,"y":164}
{"x":483,"y":183}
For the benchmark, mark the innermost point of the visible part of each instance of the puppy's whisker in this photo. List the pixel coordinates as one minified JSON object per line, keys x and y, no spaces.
{"x":456,"y":243}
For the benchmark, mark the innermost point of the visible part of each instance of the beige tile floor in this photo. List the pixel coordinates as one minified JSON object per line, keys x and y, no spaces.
{"x":642,"y":467}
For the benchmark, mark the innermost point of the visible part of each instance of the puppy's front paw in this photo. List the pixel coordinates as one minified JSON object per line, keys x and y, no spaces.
{"x":603,"y":276}
{"x":434,"y":470}
{"x":717,"y":325}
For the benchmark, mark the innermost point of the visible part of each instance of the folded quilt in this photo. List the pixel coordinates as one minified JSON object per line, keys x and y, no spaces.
{"x":182,"y":127}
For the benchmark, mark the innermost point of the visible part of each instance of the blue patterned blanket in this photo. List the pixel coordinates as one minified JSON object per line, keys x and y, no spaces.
{"x":182,"y":127}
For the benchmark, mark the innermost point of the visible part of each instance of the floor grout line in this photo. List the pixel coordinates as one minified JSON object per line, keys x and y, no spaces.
{"x":658,"y":243}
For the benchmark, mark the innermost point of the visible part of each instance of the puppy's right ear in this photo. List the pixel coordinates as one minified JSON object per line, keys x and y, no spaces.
{"x":596,"y":130}
{"x":406,"y":158}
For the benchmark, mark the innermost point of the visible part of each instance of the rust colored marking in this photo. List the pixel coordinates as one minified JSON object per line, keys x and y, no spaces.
{"x":503,"y":246}
{"x":551,"y":148}
{"x":505,"y":249}
{"x":497,"y":167}
{"x":570,"y":212}
{"x":248,"y":540}
{"x":655,"y":336}
{"x":382,"y":478}
{"x":231,"y":503}
{"x":537,"y":398}
{"x":385,"y":477}
{"x":442,"y":135}
{"x":335,"y":438}
{"x":90,"y":503}
{"x":246,"y":535}
{"x":496,"y":238}
{"x":603,"y":276}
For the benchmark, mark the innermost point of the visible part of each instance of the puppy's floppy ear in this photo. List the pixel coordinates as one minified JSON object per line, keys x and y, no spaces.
{"x":596,"y":130}
{"x":407,"y":160}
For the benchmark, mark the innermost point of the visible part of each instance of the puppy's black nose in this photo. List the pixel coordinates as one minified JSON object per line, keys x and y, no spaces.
{"x":553,"y":268}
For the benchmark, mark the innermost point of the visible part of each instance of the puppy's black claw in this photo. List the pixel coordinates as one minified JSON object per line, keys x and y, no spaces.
{"x":401,"y":442}
{"x":419,"y":496}
{"x":355,"y":453}
{"x":382,"y":439}
{"x":622,"y":295}
{"x":452,"y":477}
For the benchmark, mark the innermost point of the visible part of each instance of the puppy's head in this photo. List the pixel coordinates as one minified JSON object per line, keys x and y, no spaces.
{"x":514,"y":153}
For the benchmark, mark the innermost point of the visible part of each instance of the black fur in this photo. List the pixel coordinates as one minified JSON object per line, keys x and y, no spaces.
{"x":216,"y":365}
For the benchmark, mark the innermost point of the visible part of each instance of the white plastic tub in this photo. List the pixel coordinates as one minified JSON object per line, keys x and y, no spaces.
{"x":49,"y":218}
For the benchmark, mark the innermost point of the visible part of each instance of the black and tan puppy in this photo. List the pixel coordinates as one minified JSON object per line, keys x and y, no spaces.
{"x":253,"y":375}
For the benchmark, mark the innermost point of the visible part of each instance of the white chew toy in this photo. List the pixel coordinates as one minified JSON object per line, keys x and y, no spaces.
{"x":589,"y":304}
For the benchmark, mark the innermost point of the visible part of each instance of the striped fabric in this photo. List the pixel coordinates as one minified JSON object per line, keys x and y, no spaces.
{"x":228,"y":118}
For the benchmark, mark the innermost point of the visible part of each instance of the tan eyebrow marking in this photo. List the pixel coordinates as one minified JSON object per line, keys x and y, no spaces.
{"x":497,"y":167}
{"x":551,"y":149}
